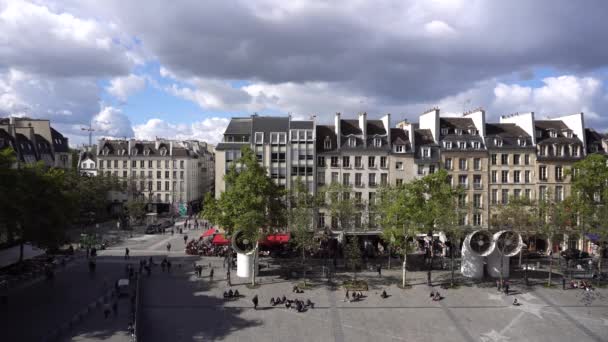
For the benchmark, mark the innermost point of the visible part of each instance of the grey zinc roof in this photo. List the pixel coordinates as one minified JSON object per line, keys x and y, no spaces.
{"x":63,"y":145}
{"x":550,"y":124}
{"x":545,"y":125}
{"x":6,"y":139}
{"x":399,"y":136}
{"x":270,"y":124}
{"x":239,"y":126}
{"x":324,"y":131}
{"x":230,"y":146}
{"x":509,"y":134}
{"x":462,"y":123}
{"x":301,"y":124}
{"x":350,"y":127}
{"x":423,"y":137}
{"x":375,"y":127}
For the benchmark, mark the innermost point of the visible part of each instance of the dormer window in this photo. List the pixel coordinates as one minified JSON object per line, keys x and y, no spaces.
{"x":444,"y":131}
{"x":377,"y":142}
{"x":473,"y":131}
{"x":568,"y":134}
{"x":106,"y":151}
{"x":163,"y":151}
{"x":498,"y":142}
{"x":259,"y":137}
{"x":146,"y":152}
{"x":123,"y":151}
{"x":448,"y":145}
{"x":229,"y":138}
{"x":352,"y":142}
{"x":134,"y":152}
{"x":521,"y":142}
{"x":399,"y":149}
{"x":426,"y":152}
{"x":462,"y":145}
{"x":553,"y":133}
{"x":458,"y":131}
{"x":476,"y":145}
{"x":327,"y":143}
{"x":574,"y":150}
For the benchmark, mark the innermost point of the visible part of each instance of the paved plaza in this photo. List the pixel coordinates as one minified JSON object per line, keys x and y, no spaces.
{"x":180,"y":307}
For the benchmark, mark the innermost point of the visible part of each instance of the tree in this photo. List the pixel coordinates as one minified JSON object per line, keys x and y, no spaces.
{"x":252,"y":202}
{"x":341,"y":205}
{"x":518,"y":215}
{"x":9,"y":206}
{"x":302,"y":211}
{"x":434,"y":206}
{"x":136,"y":208}
{"x":352,"y":254}
{"x":589,"y":199}
{"x":395,"y":208}
{"x":555,"y":219}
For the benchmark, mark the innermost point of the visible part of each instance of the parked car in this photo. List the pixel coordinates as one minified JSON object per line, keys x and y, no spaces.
{"x":153,"y":229}
{"x":573,"y":253}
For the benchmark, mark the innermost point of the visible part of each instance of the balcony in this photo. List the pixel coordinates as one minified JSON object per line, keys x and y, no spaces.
{"x":359,"y":185}
{"x":358,"y":166}
{"x":335,"y":166}
{"x":372,"y":166}
{"x":477,"y":186}
{"x":346,"y":166}
{"x":384,"y":166}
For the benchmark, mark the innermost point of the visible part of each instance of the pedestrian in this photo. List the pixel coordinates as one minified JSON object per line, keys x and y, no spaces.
{"x":185,"y":239}
{"x":228,"y":278}
{"x":172,"y":232}
{"x":563,"y":283}
{"x":498,"y":285}
{"x":126,"y":253}
{"x":507,"y":287}
{"x":379,"y":269}
{"x":428,"y":278}
{"x":168,"y":246}
{"x":255,"y":302}
{"x":346,"y":297}
{"x":115,"y":308}
{"x":211,"y":274}
{"x":106,"y":310}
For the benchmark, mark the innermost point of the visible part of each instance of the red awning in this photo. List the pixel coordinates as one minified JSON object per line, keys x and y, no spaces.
{"x":220,"y":239}
{"x":276,"y":239}
{"x":209,"y":232}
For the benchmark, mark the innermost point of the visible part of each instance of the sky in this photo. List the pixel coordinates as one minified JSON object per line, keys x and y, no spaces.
{"x":182,"y":69}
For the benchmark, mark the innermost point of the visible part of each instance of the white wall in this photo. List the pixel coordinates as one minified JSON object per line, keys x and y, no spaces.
{"x":524,"y":120}
{"x":430,"y":120}
{"x":576,"y":122}
{"x":479,"y":119}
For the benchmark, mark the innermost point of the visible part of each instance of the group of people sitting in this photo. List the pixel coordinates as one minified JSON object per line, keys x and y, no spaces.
{"x":229,"y":294}
{"x":297,"y":304}
{"x":435,"y":296}
{"x":581,"y":284}
{"x":356,"y":296}
{"x":297,"y":289}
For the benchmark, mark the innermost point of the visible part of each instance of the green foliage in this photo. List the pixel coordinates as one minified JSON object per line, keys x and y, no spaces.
{"x":136,"y":208}
{"x":251,"y":202}
{"x":302,"y":212}
{"x":341,"y":204}
{"x":352,"y":252}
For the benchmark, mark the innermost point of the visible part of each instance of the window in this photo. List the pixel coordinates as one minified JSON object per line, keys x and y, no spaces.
{"x":334,"y":161}
{"x":477,"y":201}
{"x":150,"y":164}
{"x":101,"y":164}
{"x":426,"y":152}
{"x":383,"y":162}
{"x":462,"y":145}
{"x":458,"y":131}
{"x":516,"y":176}
{"x":542,"y":193}
{"x":476,"y":145}
{"x":448,"y":163}
{"x":358,"y":162}
{"x":494,"y":198}
{"x":166,"y":164}
{"x":167,"y":174}
{"x":462,"y":200}
{"x":181,"y":175}
{"x":159,"y":186}
{"x":431,"y":169}
{"x":174,"y":174}
{"x":384,"y":178}
{"x":159,"y":174}
{"x":527,"y":159}
{"x":358,"y":179}
{"x":504,"y":159}
{"x":133,"y":163}
{"x":124,"y":174}
{"x":321,"y":161}
{"x":448,"y":145}
{"x":321,"y":221}
{"x":559,"y":173}
{"x":158,"y":164}
{"x":542,"y":173}
{"x":498,"y":142}
{"x":327,"y":143}
{"x":494,"y":176}
{"x":346,"y":179}
{"x":420,"y":169}
{"x":521,"y":142}
{"x":444,"y":131}
{"x":575,"y":151}
{"x":372,"y":197}
{"x":477,"y":164}
{"x":115,"y":163}
{"x":542,"y":150}
{"x":516,"y":193}
{"x":462,"y":163}
{"x":516,"y":159}
{"x":526,"y":176}
{"x":559,"y":150}
{"x":377,"y":142}
{"x":321,"y":178}
{"x":398,"y":165}
{"x":553,"y":133}
{"x":372,"y":179}
{"x":477,"y":219}
{"x":352,"y":142}
{"x":274,"y":138}
{"x":259,"y":137}
{"x":125,"y":164}
{"x":346,"y":161}
{"x":528,"y":194}
{"x":477,"y":181}
{"x":334,"y":177}
{"x":399,"y":148}
{"x":181,"y":164}
{"x":493,"y":157}
{"x":371,"y":162}
{"x":166,"y":186}
{"x":462,"y":181}
{"x":309,"y":135}
{"x":399,"y":181}
{"x":505,"y":196}
{"x":358,"y":197}
{"x":504,"y":176}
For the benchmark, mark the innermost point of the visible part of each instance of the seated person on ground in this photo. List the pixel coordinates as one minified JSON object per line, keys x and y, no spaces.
{"x":236,"y":293}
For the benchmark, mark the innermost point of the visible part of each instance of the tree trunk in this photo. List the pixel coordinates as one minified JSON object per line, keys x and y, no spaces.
{"x":550,"y":268}
{"x":452,"y":267}
{"x":599,"y":266}
{"x":403,"y":270}
{"x":501,"y":266}
{"x":389,"y":257}
{"x":254,"y":266}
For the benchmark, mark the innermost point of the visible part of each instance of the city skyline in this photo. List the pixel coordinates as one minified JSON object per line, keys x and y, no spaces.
{"x":185,"y":78}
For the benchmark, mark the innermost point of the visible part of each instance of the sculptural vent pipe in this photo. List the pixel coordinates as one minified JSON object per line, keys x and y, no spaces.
{"x":507,"y":244}
{"x":245,"y":249}
{"x":476,"y":246}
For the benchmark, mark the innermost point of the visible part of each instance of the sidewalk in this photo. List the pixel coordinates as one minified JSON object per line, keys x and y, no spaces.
{"x":10,"y":255}
{"x":97,"y":328}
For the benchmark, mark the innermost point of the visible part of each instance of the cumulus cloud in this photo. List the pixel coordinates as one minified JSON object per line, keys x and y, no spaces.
{"x":209,"y":130}
{"x":123,"y":87}
{"x":112,"y":122}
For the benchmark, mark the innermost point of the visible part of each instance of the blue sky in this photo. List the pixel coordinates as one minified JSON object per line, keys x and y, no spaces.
{"x":183,"y":70}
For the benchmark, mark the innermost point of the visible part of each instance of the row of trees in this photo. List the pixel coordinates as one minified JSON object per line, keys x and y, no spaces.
{"x":38,"y":204}
{"x":253,"y":204}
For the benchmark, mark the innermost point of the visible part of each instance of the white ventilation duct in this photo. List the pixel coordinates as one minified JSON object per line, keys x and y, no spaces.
{"x":507,"y":243}
{"x":245,"y":251}
{"x":476,"y":246}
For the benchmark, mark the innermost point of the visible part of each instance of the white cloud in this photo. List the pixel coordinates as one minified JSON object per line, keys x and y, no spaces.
{"x":112,"y":122}
{"x":209,"y":130}
{"x":123,"y":87}
{"x":211,"y":94}
{"x":438,"y":28}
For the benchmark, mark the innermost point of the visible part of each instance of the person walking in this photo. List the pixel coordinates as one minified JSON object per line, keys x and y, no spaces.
{"x":255,"y":302}
{"x":507,"y":287}
{"x":126,"y":253}
{"x":346,"y":297}
{"x":185,"y":239}
{"x":563,"y":283}
{"x":379,"y":269}
{"x":211,"y":274}
{"x":228,"y":277}
{"x":168,"y":246}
